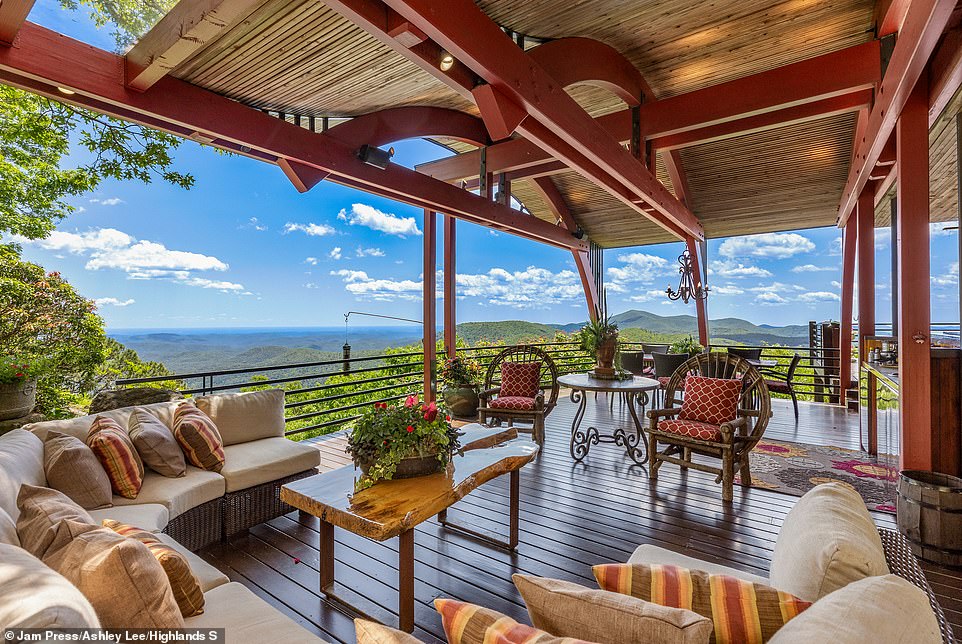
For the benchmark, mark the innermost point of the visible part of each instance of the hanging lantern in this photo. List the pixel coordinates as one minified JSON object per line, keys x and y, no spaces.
{"x":687,"y":288}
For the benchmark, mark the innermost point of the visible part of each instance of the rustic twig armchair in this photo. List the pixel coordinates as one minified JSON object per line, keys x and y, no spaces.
{"x":521,"y":383}
{"x":730,"y":440}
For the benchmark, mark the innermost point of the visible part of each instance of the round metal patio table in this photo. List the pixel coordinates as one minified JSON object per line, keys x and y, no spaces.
{"x":633,"y":440}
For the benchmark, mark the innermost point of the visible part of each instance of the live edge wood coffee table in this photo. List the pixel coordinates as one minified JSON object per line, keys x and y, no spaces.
{"x":394,"y":508}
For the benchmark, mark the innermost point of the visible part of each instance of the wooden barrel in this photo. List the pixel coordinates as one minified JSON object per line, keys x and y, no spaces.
{"x":930,"y":515}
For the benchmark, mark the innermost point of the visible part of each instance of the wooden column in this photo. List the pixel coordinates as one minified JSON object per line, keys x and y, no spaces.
{"x":450,"y":286}
{"x":865,"y":216}
{"x":701,"y":305}
{"x":913,"y":278}
{"x":849,"y":236}
{"x":429,"y":297}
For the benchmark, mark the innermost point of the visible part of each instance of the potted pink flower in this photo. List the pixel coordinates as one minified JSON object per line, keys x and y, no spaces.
{"x":18,"y":387}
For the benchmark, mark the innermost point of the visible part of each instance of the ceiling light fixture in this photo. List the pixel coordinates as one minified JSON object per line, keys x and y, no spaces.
{"x":64,"y":90}
{"x":375,"y":156}
{"x":687,"y":288}
{"x":446,"y":61}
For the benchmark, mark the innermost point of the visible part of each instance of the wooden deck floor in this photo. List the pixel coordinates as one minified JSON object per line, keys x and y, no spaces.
{"x":572,"y":517}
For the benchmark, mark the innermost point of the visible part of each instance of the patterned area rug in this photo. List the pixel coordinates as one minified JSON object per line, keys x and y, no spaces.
{"x":794,"y":468}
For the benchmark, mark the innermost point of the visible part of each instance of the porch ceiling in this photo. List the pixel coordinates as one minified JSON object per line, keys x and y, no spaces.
{"x":301,"y":57}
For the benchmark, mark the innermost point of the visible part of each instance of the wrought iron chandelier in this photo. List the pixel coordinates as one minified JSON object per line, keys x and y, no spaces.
{"x":687,"y":288}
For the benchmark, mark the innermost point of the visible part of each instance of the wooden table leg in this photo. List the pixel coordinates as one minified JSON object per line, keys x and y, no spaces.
{"x":326,"y":549}
{"x":406,"y":581}
{"x":515,"y":495}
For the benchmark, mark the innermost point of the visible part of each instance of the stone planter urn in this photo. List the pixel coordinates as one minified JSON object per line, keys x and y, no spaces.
{"x":17,"y":399}
{"x":605,"y":356}
{"x":412,"y":467}
{"x":462,"y":402}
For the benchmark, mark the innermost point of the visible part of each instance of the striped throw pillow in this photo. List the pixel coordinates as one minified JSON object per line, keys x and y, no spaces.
{"x":198,"y":437}
{"x":116,"y":452}
{"x":742,"y":612}
{"x":469,"y":624}
{"x":186,"y":588}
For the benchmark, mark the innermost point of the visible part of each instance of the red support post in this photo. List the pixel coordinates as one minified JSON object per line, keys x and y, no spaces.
{"x":701,"y":306}
{"x":430,"y":300}
{"x":866,"y":265}
{"x":450,"y":287}
{"x":915,"y":376}
{"x":849,"y":240}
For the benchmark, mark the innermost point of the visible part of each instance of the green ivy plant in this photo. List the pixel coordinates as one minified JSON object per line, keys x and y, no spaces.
{"x":386,"y":434}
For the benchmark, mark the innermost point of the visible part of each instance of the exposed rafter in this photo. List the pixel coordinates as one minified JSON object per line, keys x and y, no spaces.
{"x":185,"y":30}
{"x":921,"y":30}
{"x":13,"y":13}
{"x":42,"y":60}
{"x":556,"y":202}
{"x":583,"y":60}
{"x":399,"y":123}
{"x":740,"y":102}
{"x":945,"y":73}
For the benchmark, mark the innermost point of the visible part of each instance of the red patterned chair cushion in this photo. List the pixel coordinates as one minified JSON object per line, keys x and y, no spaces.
{"x":513,"y":403}
{"x":690,"y":428}
{"x":710,"y":400}
{"x":663,"y":381}
{"x":778,"y":386}
{"x":520,"y":379}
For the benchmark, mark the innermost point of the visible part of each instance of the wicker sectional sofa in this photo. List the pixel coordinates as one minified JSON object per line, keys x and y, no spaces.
{"x":187,"y":513}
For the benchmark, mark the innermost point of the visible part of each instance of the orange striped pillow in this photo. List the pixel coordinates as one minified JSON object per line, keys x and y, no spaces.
{"x":742,"y":612}
{"x":469,"y":624}
{"x":116,"y":452}
{"x":198,"y":437}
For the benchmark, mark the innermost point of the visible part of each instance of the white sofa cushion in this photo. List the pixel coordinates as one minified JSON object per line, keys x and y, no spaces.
{"x":197,"y":486}
{"x":21,"y":461}
{"x":80,"y":426}
{"x":35,"y":596}
{"x":649,"y":554}
{"x":885,"y":609}
{"x":152,"y":517}
{"x":828,"y":540}
{"x":247,"y":416}
{"x":247,"y":618}
{"x":8,"y":529}
{"x":207,"y":576}
{"x":267,"y":459}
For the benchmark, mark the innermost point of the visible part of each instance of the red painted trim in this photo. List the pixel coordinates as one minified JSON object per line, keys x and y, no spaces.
{"x":889,"y":15}
{"x":679,"y":180}
{"x":592,"y":297}
{"x":701,"y":306}
{"x":915,"y":374}
{"x":572,"y":61}
{"x":399,"y":123}
{"x":450,"y":286}
{"x":13,"y":13}
{"x":865,"y":221}
{"x":501,"y":115}
{"x":430,"y":304}
{"x":41,"y":60}
{"x":920,"y":32}
{"x":556,"y":202}
{"x":304,"y":177}
{"x":849,"y":241}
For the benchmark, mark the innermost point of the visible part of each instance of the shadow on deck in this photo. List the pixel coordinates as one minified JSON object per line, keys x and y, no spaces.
{"x":572,"y":517}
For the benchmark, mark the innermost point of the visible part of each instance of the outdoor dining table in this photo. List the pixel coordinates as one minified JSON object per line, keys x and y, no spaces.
{"x":763,"y":362}
{"x":632,"y":439}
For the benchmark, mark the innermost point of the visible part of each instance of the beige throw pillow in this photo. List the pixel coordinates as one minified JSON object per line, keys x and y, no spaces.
{"x":245,"y":417}
{"x":374,"y":633}
{"x":124,"y":582}
{"x":569,"y":610}
{"x":885,"y":609}
{"x":156,"y":444}
{"x":42,"y":513}
{"x":828,"y":540}
{"x":75,"y":470}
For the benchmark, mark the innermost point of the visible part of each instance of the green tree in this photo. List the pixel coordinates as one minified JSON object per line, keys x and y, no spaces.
{"x":130,"y":19}
{"x":122,"y":362}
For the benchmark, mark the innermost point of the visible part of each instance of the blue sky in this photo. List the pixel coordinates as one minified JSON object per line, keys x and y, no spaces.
{"x":243,"y":248}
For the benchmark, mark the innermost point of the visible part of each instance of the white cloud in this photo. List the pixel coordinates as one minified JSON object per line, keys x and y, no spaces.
{"x":112,"y":301}
{"x":732,"y":269}
{"x":151,"y":255}
{"x":648,"y":296}
{"x":770,"y":298}
{"x":312,"y":229}
{"x":102,"y":239}
{"x":726,"y":289}
{"x":363,"y":215}
{"x":951,"y":278}
{"x":254,"y":223}
{"x":220,"y":285}
{"x":943,"y":228}
{"x":369,"y":252}
{"x":812,"y":268}
{"x":769,"y":245}
{"x":310,"y":260}
{"x":813,"y":297}
{"x":365,"y":287}
{"x":335,"y":253}
{"x":637,"y":268}
{"x":110,"y":201}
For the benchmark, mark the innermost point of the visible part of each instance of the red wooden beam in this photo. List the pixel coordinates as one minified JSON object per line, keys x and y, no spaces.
{"x":945,"y":73}
{"x":865,"y":221}
{"x":430,"y":304}
{"x":396,"y":124}
{"x":583,"y":60}
{"x":556,"y":123}
{"x":849,"y":239}
{"x":921,"y":29}
{"x":701,"y":305}
{"x":556,"y":202}
{"x":592,"y":296}
{"x":450,"y":286}
{"x":42,"y":60}
{"x":889,"y":15}
{"x":182,"y":32}
{"x":915,"y":374}
{"x":833,"y":75}
{"x":13,"y":13}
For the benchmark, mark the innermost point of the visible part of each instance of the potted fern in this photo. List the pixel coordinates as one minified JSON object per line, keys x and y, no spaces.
{"x":687,"y":345}
{"x":600,"y":337}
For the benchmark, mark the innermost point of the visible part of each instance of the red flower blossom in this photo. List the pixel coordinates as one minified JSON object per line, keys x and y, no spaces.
{"x":448,"y":418}
{"x":411,"y":401}
{"x":410,"y":428}
{"x":430,"y":412}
